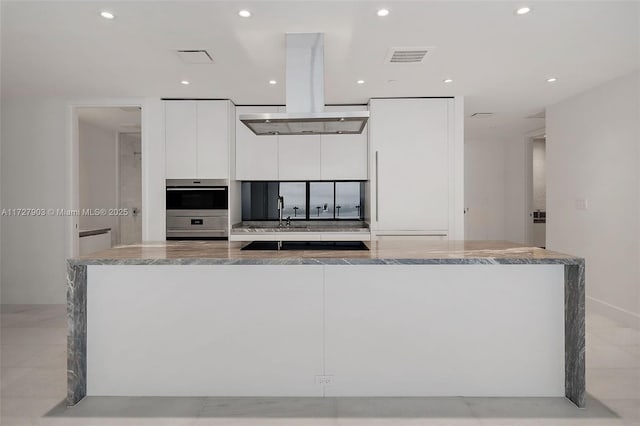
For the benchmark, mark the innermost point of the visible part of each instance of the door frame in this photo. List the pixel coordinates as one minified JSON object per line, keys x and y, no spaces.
{"x":72,"y":187}
{"x":528,"y":189}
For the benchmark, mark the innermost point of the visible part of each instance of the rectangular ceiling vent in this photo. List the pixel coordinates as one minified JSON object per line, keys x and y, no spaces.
{"x":482,"y":115}
{"x":196,"y":56}
{"x":407,"y":55}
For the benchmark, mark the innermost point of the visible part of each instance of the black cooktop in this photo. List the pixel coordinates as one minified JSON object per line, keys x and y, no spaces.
{"x":306,"y":245}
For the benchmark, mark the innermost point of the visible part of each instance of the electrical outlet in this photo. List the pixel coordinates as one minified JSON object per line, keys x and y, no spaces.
{"x":324,"y":380}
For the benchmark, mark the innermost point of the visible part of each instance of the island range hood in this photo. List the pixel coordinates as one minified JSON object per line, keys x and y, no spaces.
{"x":305,"y":96}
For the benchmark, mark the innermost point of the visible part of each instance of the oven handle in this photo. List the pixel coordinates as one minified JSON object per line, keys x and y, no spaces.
{"x":196,"y":189}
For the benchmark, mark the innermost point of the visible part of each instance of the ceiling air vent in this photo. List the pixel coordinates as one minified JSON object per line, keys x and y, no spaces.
{"x":407,"y":55}
{"x":198,"y":56}
{"x":482,"y":115}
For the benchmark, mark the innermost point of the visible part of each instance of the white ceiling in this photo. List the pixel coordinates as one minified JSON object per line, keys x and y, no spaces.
{"x":115,"y":119}
{"x":499,"y":61}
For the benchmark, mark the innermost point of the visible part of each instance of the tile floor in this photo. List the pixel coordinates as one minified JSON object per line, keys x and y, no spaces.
{"x":33,"y":380}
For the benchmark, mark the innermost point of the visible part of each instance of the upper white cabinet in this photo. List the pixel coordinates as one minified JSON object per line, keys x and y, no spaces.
{"x":414,"y":170}
{"x":256,"y":156}
{"x":299,"y":157}
{"x":180,"y":139}
{"x":197,"y":137}
{"x":344,"y":157}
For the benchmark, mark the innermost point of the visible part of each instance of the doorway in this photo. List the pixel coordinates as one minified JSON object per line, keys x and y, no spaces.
{"x":538,"y":215}
{"x":109,"y":177}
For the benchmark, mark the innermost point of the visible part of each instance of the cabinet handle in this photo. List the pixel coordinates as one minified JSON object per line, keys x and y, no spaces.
{"x":377,"y":216}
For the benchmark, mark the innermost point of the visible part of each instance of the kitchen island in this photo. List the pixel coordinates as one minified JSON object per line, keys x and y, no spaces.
{"x":404,"y":318}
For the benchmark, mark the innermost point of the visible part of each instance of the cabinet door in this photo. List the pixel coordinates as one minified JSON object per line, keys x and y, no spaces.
{"x":410,"y":138}
{"x":299,"y":157}
{"x":256,"y":156}
{"x":212,"y":156}
{"x":344,"y":157}
{"x":180,"y":139}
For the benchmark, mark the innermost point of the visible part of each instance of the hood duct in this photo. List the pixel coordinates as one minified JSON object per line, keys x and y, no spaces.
{"x":305,"y":96}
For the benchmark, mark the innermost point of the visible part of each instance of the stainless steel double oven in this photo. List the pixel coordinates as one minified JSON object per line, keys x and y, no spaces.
{"x":197,"y":209}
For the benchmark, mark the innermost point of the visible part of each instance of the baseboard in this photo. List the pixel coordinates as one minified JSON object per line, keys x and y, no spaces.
{"x":624,"y":317}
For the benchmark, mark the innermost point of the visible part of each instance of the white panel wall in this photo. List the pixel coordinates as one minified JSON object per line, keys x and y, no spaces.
{"x":592,"y":155}
{"x":376,"y":330}
{"x":445,"y":330}
{"x":33,"y":175}
{"x":204,"y":330}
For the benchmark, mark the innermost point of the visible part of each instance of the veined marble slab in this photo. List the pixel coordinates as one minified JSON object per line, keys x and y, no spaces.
{"x":380,"y":253}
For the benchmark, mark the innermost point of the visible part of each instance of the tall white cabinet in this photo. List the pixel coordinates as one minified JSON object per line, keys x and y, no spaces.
{"x":417,"y":168}
{"x":197,"y":139}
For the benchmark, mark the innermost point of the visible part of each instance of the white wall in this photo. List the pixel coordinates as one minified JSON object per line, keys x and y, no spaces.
{"x":592,"y":154}
{"x":33,"y":176}
{"x":36,"y":173}
{"x":97,"y":176}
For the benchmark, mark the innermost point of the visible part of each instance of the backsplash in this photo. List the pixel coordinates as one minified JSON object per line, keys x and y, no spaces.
{"x":304,"y":200}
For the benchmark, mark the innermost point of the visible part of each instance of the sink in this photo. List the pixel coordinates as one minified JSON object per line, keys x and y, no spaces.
{"x":307,"y":245}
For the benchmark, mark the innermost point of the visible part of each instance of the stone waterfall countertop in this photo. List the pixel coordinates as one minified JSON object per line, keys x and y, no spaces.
{"x":381,"y":252}
{"x":391,"y":252}
{"x":300,"y":226}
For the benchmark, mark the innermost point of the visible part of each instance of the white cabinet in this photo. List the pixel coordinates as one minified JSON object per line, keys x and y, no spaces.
{"x":256,"y":156}
{"x":412,"y":160}
{"x":180,"y":139}
{"x":344,"y":157}
{"x":299,"y":157}
{"x":213,"y":139}
{"x":197,"y":137}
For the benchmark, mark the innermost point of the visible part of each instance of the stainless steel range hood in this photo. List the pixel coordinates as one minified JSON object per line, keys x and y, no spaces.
{"x":305,"y":96}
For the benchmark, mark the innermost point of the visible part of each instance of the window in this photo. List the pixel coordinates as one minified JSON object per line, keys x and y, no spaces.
{"x":321,"y":200}
{"x":295,"y":199}
{"x":303,"y":200}
{"x":348,"y":203}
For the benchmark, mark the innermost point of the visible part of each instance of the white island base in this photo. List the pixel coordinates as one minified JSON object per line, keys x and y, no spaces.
{"x":332,"y":330}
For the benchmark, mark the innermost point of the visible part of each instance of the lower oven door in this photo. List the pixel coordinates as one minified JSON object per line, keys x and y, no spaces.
{"x":197,"y":224}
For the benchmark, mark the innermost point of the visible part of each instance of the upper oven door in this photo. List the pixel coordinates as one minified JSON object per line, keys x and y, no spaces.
{"x":197,"y":198}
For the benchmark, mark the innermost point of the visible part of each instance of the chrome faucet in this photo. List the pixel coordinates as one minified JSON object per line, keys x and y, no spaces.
{"x":280,"y":210}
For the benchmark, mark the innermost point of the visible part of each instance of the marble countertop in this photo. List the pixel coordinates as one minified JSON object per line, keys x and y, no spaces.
{"x":300,"y":226}
{"x":381,"y":252}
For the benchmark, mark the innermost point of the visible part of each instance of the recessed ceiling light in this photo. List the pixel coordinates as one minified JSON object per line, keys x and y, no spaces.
{"x":383,"y":12}
{"x":360,"y":81}
{"x":272,"y":82}
{"x":552,"y":80}
{"x":185,"y":82}
{"x":107,"y":15}
{"x":244,"y":13}
{"x":523,"y":10}
{"x":447,"y":80}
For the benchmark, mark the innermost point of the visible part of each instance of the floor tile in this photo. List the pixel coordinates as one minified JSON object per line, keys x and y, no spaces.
{"x":612,"y":383}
